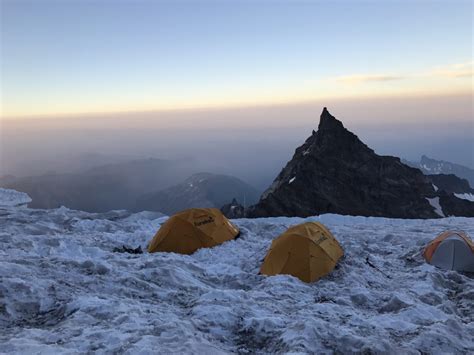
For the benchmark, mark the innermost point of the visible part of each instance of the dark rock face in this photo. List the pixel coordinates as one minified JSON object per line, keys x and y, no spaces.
{"x":431,"y":166}
{"x":233,"y":210}
{"x":335,"y":172}
{"x":453,"y":206}
{"x":450,"y":183}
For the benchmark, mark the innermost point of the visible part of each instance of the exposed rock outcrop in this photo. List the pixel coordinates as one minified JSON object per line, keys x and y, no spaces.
{"x":233,"y":210}
{"x":455,"y":206}
{"x":450,"y":183}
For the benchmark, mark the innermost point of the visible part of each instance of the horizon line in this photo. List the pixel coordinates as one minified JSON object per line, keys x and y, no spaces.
{"x":229,"y":106}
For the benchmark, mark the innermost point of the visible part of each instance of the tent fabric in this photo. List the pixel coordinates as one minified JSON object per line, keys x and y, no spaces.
{"x":192,"y":229}
{"x":308,"y":251}
{"x":451,"y":250}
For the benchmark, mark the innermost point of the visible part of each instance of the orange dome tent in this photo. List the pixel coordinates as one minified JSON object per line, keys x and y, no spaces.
{"x":308,"y":251}
{"x":189,"y":230}
{"x":451,"y":250}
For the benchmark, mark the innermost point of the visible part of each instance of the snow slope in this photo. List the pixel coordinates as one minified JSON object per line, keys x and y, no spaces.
{"x":435,"y":203}
{"x":10,"y":197}
{"x":465,"y":196}
{"x":64,"y":290}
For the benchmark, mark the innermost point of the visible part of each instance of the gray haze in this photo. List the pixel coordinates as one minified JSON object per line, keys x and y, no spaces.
{"x":252,"y":144}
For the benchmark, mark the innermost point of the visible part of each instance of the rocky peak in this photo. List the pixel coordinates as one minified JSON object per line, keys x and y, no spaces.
{"x":335,"y":172}
{"x":329,"y":122}
{"x":425,"y":159}
{"x":333,"y":139}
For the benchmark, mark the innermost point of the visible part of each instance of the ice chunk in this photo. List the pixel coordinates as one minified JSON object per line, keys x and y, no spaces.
{"x":10,"y":198}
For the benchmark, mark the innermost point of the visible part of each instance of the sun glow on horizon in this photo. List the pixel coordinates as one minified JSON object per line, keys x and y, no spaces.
{"x":369,"y":86}
{"x":85,"y":58}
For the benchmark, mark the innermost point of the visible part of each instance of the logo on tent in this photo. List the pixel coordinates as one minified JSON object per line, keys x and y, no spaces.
{"x":206,"y":221}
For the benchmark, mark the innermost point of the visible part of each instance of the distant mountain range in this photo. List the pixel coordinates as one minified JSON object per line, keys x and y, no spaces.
{"x":199,"y":190}
{"x":102,"y":188}
{"x":432,"y":166}
{"x":335,"y":172}
{"x":332,"y":172}
{"x":146,"y":184}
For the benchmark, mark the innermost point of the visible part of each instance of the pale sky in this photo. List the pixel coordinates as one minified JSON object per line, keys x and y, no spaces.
{"x":74,"y":57}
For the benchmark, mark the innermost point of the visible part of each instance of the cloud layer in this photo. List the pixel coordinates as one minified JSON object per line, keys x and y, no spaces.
{"x":453,"y":71}
{"x":460,"y":70}
{"x":367,"y":78}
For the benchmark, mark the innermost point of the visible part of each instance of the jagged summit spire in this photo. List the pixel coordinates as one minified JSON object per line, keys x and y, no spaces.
{"x":328,"y":121}
{"x":333,"y":171}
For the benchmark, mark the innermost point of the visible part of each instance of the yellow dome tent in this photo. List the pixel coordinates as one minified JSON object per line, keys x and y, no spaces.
{"x":189,"y":230}
{"x":308,"y":251}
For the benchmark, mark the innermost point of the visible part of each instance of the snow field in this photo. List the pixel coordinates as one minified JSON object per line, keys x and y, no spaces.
{"x":63,"y":289}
